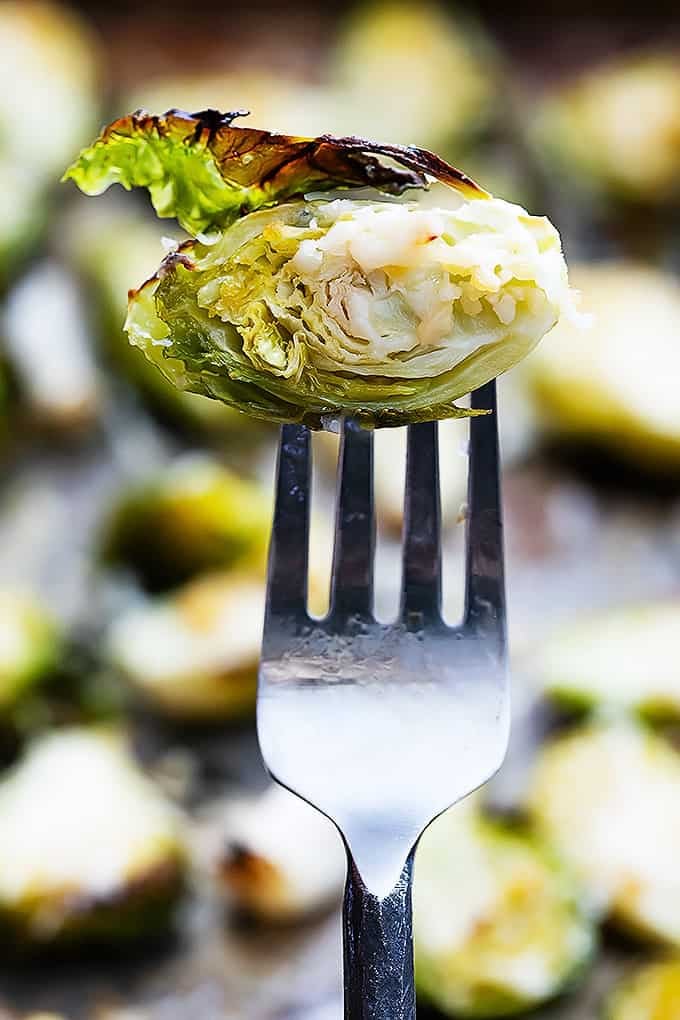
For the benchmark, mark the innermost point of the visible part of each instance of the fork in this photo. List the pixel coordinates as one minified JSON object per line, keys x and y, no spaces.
{"x":383,"y":726}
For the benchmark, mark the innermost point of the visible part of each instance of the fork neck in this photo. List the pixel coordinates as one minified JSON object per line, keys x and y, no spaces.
{"x":378,"y":949}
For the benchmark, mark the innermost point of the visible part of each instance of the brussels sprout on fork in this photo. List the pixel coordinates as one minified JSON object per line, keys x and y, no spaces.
{"x":298,"y":299}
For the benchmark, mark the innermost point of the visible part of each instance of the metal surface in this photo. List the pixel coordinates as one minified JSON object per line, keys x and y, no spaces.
{"x":383,"y":726}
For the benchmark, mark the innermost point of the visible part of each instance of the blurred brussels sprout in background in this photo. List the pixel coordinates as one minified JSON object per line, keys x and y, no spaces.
{"x":606,"y":797}
{"x":48,"y":345}
{"x":49,"y":60}
{"x":89,"y":849}
{"x":23,"y":216}
{"x":279,"y":101}
{"x":652,"y":992}
{"x":617,"y":659}
{"x":284,"y":861}
{"x":616,"y":128}
{"x":615,"y":384}
{"x":194,"y":654}
{"x":194,"y":515}
{"x":498,"y":924}
{"x":412,"y":73}
{"x":315,"y":308}
{"x":439,"y":65}
{"x":30,"y":646}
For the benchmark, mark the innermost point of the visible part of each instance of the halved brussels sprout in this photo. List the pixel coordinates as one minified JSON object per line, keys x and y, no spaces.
{"x":196,"y":515}
{"x":498,"y":924}
{"x":617,"y":127}
{"x":48,"y":106}
{"x":411,"y":73}
{"x":194,"y":655}
{"x":607,"y":798}
{"x":30,"y":646}
{"x":651,"y":993}
{"x":619,"y":659}
{"x":283,"y":861}
{"x":89,"y":849}
{"x":54,"y":367}
{"x":323,"y":305}
{"x":615,"y":384}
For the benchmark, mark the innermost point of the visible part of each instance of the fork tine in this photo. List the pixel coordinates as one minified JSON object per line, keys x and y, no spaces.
{"x":352,"y":577}
{"x":288,"y":548}
{"x":484,"y":575}
{"x":421,"y":575}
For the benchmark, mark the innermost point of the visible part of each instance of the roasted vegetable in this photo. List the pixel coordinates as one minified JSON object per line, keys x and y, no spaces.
{"x":30,"y":646}
{"x":498,"y":925}
{"x":607,"y":798}
{"x":89,"y":850}
{"x":411,"y":73}
{"x":283,"y":861}
{"x":48,"y":105}
{"x":54,"y":367}
{"x":622,"y":659}
{"x":616,"y":128}
{"x":324,"y":305}
{"x":194,"y":655}
{"x":196,"y":515}
{"x":651,"y":993}
{"x":607,"y":386}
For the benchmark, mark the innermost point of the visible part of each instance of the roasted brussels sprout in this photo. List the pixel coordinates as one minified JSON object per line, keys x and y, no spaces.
{"x":605,"y":385}
{"x":284,"y":861}
{"x":54,"y":368}
{"x":607,"y":798}
{"x":196,"y":515}
{"x":619,"y":659}
{"x":48,"y":106}
{"x":301,"y":308}
{"x":30,"y":646}
{"x":617,"y":128}
{"x":651,"y":993}
{"x":498,"y":925}
{"x":194,"y":655}
{"x":89,"y":850}
{"x":413,"y":74}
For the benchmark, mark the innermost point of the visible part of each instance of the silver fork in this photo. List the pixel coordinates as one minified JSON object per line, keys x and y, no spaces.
{"x":384,"y":726}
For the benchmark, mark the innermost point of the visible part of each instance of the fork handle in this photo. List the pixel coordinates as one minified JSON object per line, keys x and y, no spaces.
{"x":378,"y":949}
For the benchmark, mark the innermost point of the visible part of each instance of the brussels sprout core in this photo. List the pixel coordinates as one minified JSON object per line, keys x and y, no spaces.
{"x":607,"y":798}
{"x":88,"y":848}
